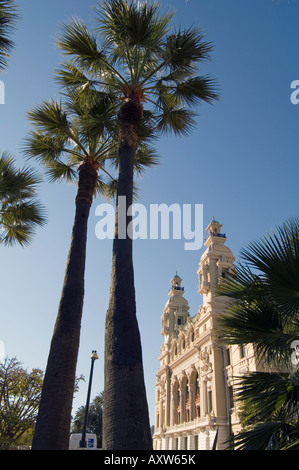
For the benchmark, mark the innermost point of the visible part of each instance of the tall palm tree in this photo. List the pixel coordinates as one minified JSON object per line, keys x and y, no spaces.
{"x":61,"y":143}
{"x":264,"y":311}
{"x":8,"y":19}
{"x":94,"y":420}
{"x":20,"y":211}
{"x":134,"y":54}
{"x":72,"y":139}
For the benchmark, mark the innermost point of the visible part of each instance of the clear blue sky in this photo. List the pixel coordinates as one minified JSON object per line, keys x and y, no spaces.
{"x":241,"y":163}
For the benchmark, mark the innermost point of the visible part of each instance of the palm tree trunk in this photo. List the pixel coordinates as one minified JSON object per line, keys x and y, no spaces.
{"x":125,"y":409}
{"x":52,"y":431}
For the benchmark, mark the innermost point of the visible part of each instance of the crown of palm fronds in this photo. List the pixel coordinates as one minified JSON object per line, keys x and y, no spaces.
{"x":83,"y":127}
{"x":134,"y":53}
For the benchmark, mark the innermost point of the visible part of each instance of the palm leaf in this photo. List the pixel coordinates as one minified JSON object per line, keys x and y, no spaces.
{"x":267,"y":393}
{"x":51,"y":118}
{"x":68,"y":75}
{"x":182,"y":50}
{"x":20,"y":211}
{"x":16,"y":184}
{"x":277,"y":256}
{"x":197,"y":89}
{"x":133,"y":24}
{"x":108,"y":190}
{"x":145,"y":157}
{"x":263,"y":436}
{"x":178,"y":121}
{"x":44,"y":147}
{"x":75,"y":40}
{"x":8,"y":19}
{"x":58,"y":171}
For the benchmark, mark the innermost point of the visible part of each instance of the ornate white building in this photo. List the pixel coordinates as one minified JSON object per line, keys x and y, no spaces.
{"x":194,"y":388}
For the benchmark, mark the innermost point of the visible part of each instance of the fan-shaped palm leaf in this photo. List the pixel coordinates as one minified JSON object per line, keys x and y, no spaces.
{"x":20,"y":210}
{"x":8,"y":19}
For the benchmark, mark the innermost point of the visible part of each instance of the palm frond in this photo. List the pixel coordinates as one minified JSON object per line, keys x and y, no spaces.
{"x":58,"y":171}
{"x":260,"y":325}
{"x":266,"y":394}
{"x":94,"y":113}
{"x":51,"y":118}
{"x":263,"y":436}
{"x":134,"y":24}
{"x":44,"y":147}
{"x":277,"y":256}
{"x":177,"y":121}
{"x":197,"y":89}
{"x":75,"y":40}
{"x":108,"y":190}
{"x":8,"y":18}
{"x":69,"y":75}
{"x":145,"y":157}
{"x":10,"y":235}
{"x":182,"y":50}
{"x":16,"y":184}
{"x":22,"y":213}
{"x":20,"y":210}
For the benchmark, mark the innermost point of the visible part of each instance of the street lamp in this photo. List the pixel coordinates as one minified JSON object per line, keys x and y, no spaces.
{"x":93,"y":357}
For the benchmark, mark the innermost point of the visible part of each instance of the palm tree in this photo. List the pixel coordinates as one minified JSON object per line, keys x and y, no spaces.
{"x":8,"y":19}
{"x":269,"y":411}
{"x":94,"y":421}
{"x":72,"y":140}
{"x":134,"y":54}
{"x":20,"y":211}
{"x":263,"y":310}
{"x":60,"y":142}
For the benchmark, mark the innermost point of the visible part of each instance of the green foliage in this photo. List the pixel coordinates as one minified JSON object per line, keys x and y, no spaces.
{"x":94,"y":419}
{"x":8,"y":19}
{"x":133,"y":54}
{"x":83,"y":127}
{"x":20,"y":211}
{"x":20,"y":393}
{"x":263,"y":309}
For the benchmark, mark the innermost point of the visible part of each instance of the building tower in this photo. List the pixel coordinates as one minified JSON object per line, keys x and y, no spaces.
{"x":176,"y":310}
{"x":194,"y":387}
{"x":216,"y":262}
